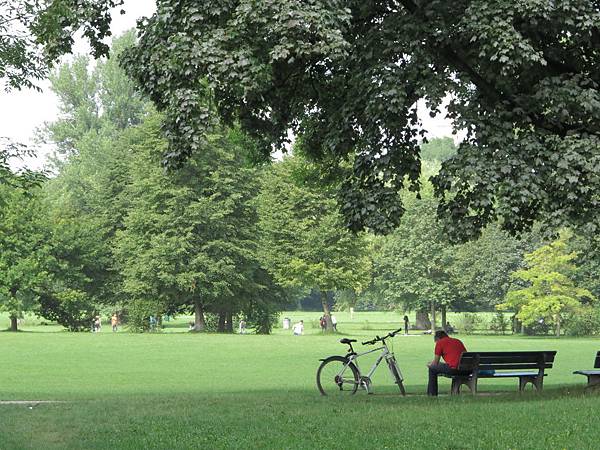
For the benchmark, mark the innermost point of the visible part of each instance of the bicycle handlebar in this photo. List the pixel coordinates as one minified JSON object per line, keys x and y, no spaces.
{"x":379,"y":339}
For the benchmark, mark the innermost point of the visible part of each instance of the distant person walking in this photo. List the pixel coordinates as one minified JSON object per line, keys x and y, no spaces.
{"x":322,"y":323}
{"x":405,"y":324}
{"x":242,"y":326}
{"x":114,"y":321}
{"x":334,"y":322}
{"x":97,"y":324}
{"x":298,"y":328}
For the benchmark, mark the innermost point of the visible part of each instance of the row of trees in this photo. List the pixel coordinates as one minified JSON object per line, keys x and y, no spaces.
{"x":218,"y":237}
{"x":221,"y":236}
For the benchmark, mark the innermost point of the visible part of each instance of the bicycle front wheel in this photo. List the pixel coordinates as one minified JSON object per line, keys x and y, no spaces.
{"x":337,"y":376}
{"x":393,"y":365}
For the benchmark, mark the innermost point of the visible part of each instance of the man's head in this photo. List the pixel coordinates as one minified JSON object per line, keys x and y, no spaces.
{"x":439,"y":335}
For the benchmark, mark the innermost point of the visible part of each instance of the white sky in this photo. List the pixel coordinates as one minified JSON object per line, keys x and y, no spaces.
{"x":21,"y":112}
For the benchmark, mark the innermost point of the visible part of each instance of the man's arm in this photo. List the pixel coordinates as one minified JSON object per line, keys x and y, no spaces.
{"x":435,"y":362}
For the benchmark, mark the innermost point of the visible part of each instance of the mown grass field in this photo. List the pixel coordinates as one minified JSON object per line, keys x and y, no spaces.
{"x":178,"y":390}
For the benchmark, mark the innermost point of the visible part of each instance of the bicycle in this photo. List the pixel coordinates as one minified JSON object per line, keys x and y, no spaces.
{"x":341,"y":374}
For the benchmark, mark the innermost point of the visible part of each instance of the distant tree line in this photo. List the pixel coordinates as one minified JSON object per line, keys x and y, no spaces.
{"x":222,"y":237}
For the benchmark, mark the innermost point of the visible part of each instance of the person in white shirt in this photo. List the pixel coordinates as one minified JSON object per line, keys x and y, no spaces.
{"x":298,"y":328}
{"x":334,"y":322}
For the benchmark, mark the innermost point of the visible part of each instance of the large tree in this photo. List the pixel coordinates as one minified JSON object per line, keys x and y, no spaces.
{"x":304,"y":241}
{"x":521,"y":79}
{"x":24,"y":251}
{"x":189,"y":237}
{"x":86,"y":200}
{"x":413,"y":267}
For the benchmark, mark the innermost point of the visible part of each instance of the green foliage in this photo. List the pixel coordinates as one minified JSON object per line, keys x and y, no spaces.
{"x":35,"y":33}
{"x":138,"y":314}
{"x":304,"y":242}
{"x":190,"y":236}
{"x":551,"y":292}
{"x":345,"y":77}
{"x":70,"y":308}
{"x":481,"y":268}
{"x":469,"y":322}
{"x":24,"y":251}
{"x":499,"y":324}
{"x":412,"y":265}
{"x":438,"y":149}
{"x":25,"y":178}
{"x":584,"y":322}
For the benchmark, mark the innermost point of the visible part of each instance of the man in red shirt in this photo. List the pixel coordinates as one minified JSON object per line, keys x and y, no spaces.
{"x":448,"y":348}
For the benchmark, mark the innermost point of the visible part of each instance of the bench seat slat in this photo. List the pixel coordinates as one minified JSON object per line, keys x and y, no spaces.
{"x":512,"y":374}
{"x":587,"y":372}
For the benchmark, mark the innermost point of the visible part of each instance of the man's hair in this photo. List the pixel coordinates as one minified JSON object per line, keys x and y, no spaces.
{"x":440,"y":334}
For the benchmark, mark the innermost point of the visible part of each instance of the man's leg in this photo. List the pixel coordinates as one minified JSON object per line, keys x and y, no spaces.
{"x":434,"y":371}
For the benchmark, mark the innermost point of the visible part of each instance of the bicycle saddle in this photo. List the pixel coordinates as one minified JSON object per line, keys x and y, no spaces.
{"x":347,"y":341}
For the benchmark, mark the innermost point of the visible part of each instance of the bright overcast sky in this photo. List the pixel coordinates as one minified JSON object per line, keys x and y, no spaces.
{"x":21,"y":112}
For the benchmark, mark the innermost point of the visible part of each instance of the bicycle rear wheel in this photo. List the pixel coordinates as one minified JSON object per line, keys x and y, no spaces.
{"x":337,"y":376}
{"x":393,"y":365}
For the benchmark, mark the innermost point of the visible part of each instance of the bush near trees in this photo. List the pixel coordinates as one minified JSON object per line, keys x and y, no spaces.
{"x":551,"y":294}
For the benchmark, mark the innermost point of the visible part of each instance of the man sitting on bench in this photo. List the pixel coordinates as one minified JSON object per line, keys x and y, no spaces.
{"x":448,"y":348}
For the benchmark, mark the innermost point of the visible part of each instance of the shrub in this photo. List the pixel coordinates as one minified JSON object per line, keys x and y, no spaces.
{"x":537,"y":328}
{"x":71,"y":308}
{"x":138,"y":314}
{"x":499,"y":323}
{"x":469,"y":322}
{"x":262,"y":319}
{"x":585,"y":322}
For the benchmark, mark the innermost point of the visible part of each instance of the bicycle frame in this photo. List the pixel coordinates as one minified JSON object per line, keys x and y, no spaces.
{"x":365,"y":380}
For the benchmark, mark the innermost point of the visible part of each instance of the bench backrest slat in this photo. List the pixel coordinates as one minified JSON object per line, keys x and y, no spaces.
{"x":597,"y":363}
{"x":507,"y":360}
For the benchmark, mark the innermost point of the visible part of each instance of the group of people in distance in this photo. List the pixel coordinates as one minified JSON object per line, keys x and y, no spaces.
{"x":298,"y":327}
{"x":97,"y":323}
{"x":323,"y":322}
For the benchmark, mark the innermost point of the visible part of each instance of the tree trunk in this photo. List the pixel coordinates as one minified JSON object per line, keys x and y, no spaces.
{"x":13,"y":323}
{"x":422,"y":321}
{"x":326,"y":312}
{"x":433,"y":321}
{"x":229,"y":322}
{"x":558,"y":325}
{"x":221,"y":324}
{"x":444,"y":322}
{"x":199,"y":322}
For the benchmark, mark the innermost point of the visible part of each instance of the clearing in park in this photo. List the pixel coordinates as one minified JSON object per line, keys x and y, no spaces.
{"x":180,"y":390}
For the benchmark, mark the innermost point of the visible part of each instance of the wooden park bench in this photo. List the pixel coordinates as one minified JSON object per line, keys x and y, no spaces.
{"x":593,"y":376}
{"x":528,"y":367}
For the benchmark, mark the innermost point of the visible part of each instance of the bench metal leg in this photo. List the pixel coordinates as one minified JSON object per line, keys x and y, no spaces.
{"x":537,"y":382}
{"x":457,"y":382}
{"x":593,"y":381}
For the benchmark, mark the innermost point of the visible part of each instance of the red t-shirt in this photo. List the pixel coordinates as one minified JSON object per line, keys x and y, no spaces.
{"x":450,"y":349}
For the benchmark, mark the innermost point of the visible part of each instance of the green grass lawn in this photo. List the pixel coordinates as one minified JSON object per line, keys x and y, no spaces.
{"x":178,"y":390}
